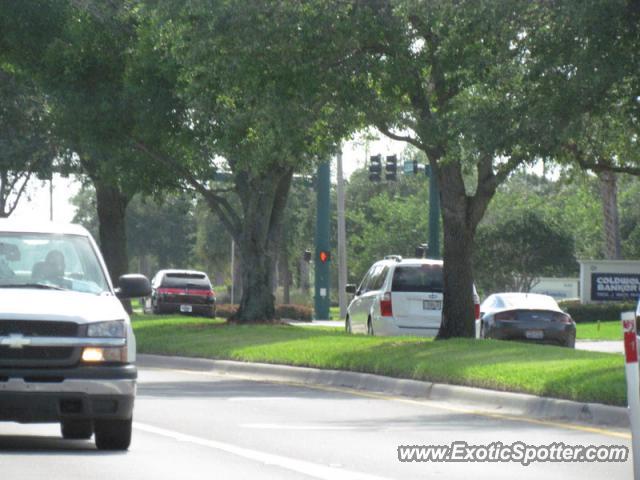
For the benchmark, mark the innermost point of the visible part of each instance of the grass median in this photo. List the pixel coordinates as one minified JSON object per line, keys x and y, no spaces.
{"x":509,"y":366}
{"x":599,"y":331}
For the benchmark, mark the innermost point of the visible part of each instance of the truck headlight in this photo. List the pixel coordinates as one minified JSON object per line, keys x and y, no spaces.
{"x":113,"y":329}
{"x":107,"y":329}
{"x":99,"y":355}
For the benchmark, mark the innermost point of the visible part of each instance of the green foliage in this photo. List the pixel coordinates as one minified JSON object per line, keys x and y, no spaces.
{"x":384,"y":218}
{"x":160,"y":231}
{"x":25,"y":144}
{"x":570,"y":202}
{"x":593,"y":312}
{"x":212,"y":244}
{"x":86,"y":210}
{"x":513,"y":252}
{"x":629,"y":199}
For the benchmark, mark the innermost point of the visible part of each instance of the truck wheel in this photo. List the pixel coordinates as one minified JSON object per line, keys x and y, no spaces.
{"x":113,"y":434}
{"x":76,"y":429}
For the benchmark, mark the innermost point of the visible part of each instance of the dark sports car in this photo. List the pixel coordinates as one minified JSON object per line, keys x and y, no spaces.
{"x":525,"y":316}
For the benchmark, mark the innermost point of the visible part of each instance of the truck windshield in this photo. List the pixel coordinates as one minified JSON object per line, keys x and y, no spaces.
{"x":37,"y":260}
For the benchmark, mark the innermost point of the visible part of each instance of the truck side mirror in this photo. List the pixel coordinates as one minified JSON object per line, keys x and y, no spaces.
{"x":133,"y":286}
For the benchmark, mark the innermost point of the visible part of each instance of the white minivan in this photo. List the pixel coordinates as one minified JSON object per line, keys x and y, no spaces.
{"x":399,"y":297}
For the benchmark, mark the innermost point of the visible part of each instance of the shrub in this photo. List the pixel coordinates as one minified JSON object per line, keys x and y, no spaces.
{"x":592,"y":312}
{"x":225,"y":310}
{"x":289,"y":312}
{"x":294,"y":312}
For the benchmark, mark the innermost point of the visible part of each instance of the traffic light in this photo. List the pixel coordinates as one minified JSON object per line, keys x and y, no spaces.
{"x":391,"y":167}
{"x":421,"y":250}
{"x":410,"y":167}
{"x":375,"y":168}
{"x":324,"y":256}
{"x":427,"y":170}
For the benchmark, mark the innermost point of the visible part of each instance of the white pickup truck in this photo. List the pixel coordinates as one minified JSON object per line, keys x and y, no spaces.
{"x":67,"y":350}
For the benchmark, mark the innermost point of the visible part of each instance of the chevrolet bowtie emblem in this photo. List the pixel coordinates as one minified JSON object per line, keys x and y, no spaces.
{"x":15,"y":341}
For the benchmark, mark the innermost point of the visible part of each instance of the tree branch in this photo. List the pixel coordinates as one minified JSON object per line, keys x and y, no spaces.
{"x":220,"y":205}
{"x":597,"y":166}
{"x":13,"y":206}
{"x":401,"y":138}
{"x":507,"y":168}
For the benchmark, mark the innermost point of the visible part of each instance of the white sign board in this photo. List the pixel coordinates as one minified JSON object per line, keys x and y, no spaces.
{"x":558,"y":288}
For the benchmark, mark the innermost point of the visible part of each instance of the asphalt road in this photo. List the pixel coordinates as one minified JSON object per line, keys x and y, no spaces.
{"x":191,"y":425}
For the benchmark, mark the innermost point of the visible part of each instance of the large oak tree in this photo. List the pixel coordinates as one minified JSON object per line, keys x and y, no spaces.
{"x":248,"y":99}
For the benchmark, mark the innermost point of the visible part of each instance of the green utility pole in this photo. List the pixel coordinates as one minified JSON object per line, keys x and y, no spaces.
{"x":433,"y":250}
{"x":323,"y":254}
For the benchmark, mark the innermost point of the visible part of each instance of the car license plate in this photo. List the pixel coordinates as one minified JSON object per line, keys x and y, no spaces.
{"x":186,"y":308}
{"x":431,"y":304}
{"x":534,"y":334}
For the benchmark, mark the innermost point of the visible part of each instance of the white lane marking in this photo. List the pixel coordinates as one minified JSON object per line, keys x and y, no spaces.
{"x":279,"y":426}
{"x":300,"y":466}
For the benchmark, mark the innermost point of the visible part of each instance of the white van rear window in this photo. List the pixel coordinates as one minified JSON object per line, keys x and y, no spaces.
{"x":417,"y":278}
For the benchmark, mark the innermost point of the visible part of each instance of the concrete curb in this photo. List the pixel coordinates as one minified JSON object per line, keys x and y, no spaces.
{"x":478,"y":399}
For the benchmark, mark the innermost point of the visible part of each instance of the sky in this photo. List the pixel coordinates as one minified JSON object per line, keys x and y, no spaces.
{"x":36,"y":206}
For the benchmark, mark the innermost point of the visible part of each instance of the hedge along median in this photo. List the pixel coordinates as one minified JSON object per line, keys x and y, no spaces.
{"x":509,"y":366}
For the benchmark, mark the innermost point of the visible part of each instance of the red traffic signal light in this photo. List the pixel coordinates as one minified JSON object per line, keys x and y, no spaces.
{"x":324,"y":256}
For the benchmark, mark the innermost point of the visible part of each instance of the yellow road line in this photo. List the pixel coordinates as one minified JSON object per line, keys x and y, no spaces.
{"x":411,"y":401}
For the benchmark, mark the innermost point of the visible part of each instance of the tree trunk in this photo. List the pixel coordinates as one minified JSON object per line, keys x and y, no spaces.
{"x":257,"y":301}
{"x":457,"y":310}
{"x":237,"y":276}
{"x":111,"y":205}
{"x":611,"y":227}
{"x":304,"y":284}
{"x":263,"y":200}
{"x":285,"y":275}
{"x":460,"y":214}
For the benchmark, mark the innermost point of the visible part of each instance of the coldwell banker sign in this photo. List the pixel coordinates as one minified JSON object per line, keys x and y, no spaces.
{"x":615,"y":286}
{"x":609,"y":280}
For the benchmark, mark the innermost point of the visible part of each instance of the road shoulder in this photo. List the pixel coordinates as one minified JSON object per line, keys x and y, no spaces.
{"x":487,"y":402}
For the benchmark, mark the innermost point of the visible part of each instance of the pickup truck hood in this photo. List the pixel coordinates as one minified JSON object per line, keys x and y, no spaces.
{"x":59,"y":305}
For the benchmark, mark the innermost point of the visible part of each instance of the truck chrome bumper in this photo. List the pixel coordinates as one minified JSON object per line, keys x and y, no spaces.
{"x":90,"y":387}
{"x":20,"y":341}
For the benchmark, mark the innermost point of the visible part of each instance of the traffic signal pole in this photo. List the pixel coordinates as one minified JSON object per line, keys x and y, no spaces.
{"x":322,"y":258}
{"x":433,"y":249}
{"x":342,"y":239}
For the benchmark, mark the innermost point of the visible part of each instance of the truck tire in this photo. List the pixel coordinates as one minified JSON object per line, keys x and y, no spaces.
{"x":113,"y":434}
{"x":76,"y":429}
